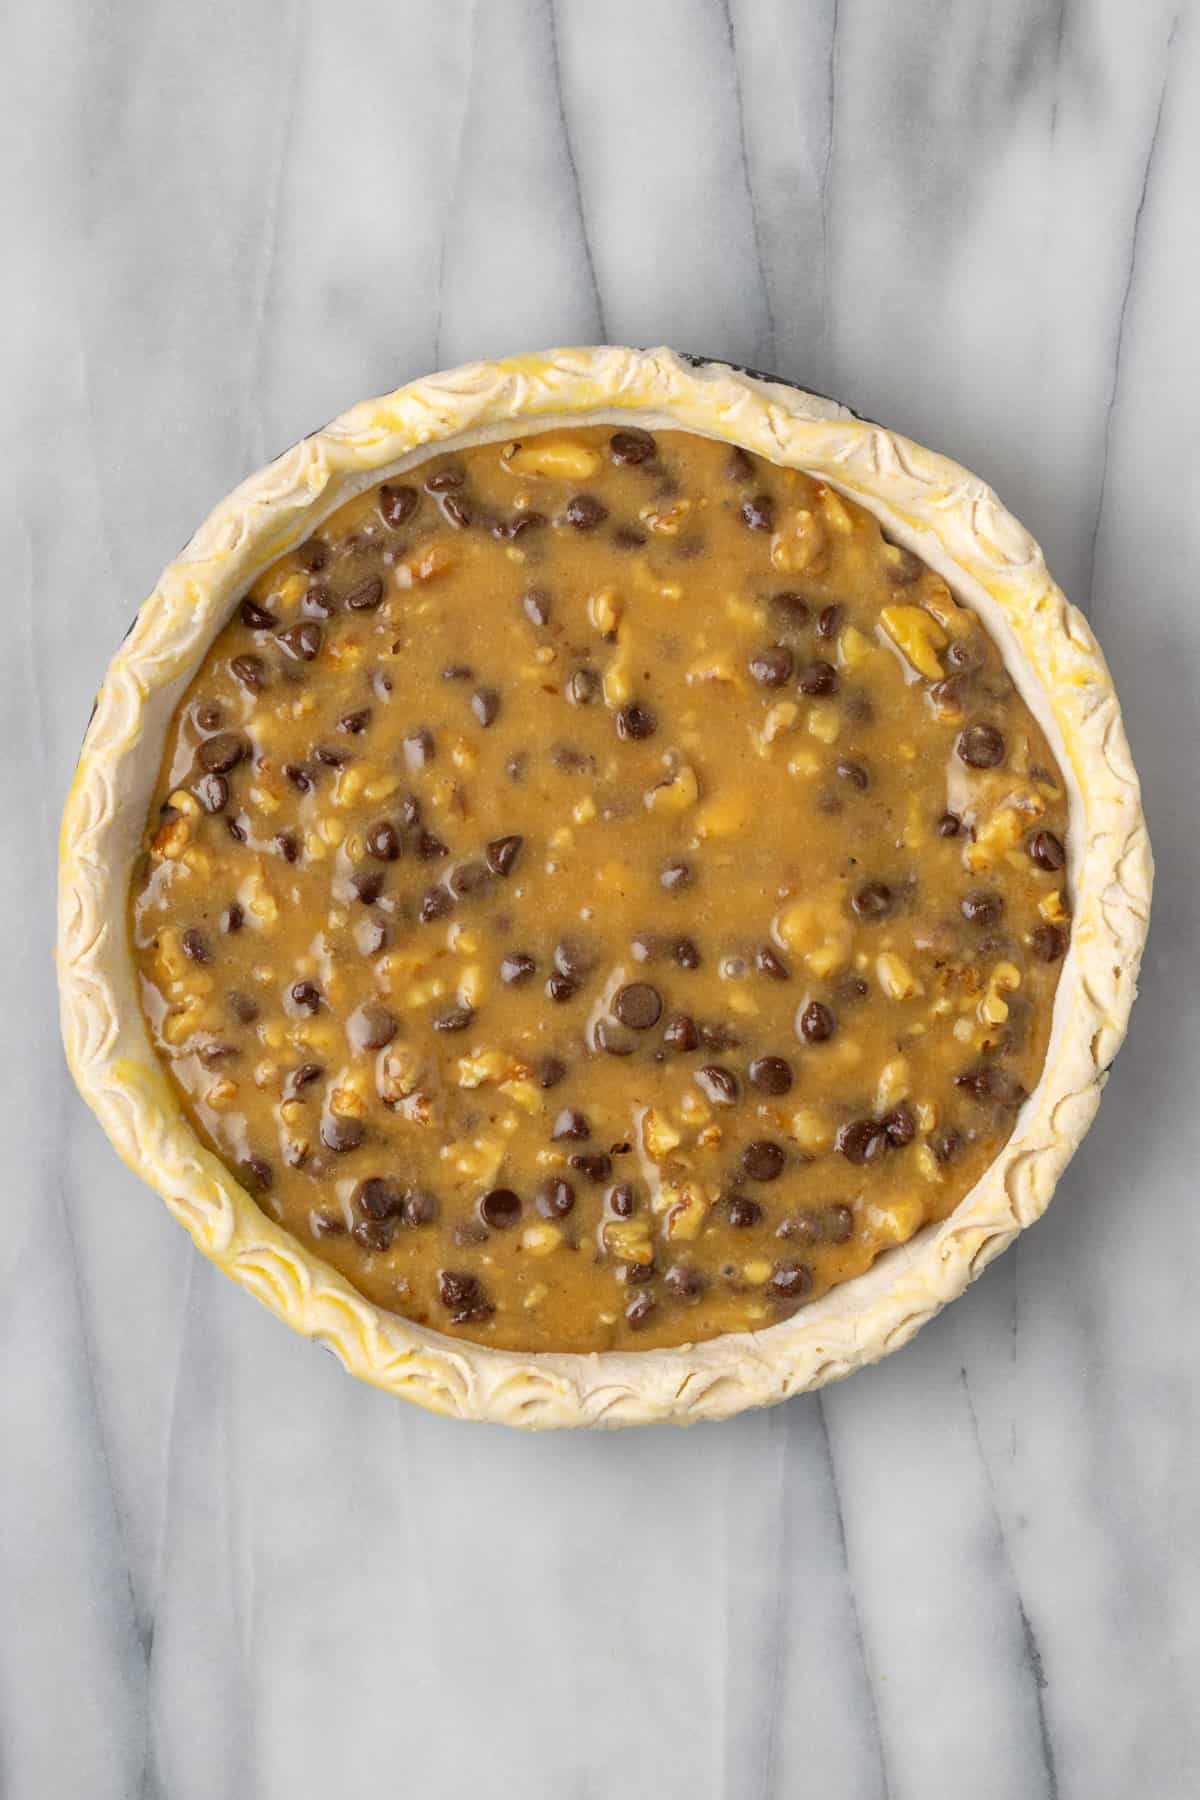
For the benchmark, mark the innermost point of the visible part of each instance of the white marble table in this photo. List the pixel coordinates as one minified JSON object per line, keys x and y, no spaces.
{"x":227,"y":1570}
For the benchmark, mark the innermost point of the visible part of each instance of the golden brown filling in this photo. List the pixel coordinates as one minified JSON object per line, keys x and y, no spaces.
{"x":600,"y":892}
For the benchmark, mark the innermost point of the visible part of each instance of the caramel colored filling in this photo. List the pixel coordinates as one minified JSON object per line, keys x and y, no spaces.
{"x":600,"y":892}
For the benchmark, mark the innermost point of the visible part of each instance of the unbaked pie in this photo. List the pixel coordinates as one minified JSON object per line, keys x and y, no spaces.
{"x":604,"y":889}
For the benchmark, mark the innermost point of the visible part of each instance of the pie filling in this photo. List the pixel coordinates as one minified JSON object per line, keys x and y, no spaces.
{"x":600,"y":892}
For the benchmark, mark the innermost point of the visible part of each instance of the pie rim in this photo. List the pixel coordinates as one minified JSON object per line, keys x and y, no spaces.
{"x":931,"y":505}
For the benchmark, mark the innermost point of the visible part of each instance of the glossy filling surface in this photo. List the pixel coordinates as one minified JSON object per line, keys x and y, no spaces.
{"x":600,"y":893}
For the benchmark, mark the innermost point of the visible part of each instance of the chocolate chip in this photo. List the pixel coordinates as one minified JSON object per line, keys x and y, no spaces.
{"x":485,"y":704}
{"x":236,"y":830}
{"x":332,"y":759}
{"x":740,"y":464}
{"x":950,"y":695}
{"x":675,"y":876}
{"x":397,"y":504}
{"x":979,"y":907}
{"x":980,"y":747}
{"x":304,"y":1076}
{"x":509,"y":529}
{"x":301,"y":642}
{"x":324,"y":1224}
{"x":639,"y":1311}
{"x":901,"y":566}
{"x":436,"y":904}
{"x":378,"y":1197}
{"x":1046,"y":850}
{"x":251,"y":671}
{"x":773,"y":666}
{"x":989,"y":1082}
{"x":467,"y":878}
{"x":949,"y":825}
{"x":212,"y":791}
{"x":243,"y":1008}
{"x":964,"y":655}
{"x":768,"y":962}
{"x":585,"y":512}
{"x":457,"y":513}
{"x":217,"y":755}
{"x":464,"y":1295}
{"x":628,"y":537}
{"x":622,"y":1200}
{"x":340,"y":1135}
{"x":454,"y":1018}
{"x":900,"y":1125}
{"x":256,"y":617}
{"x":790,"y":1281}
{"x":374,"y":1234}
{"x":537,"y":605}
{"x":371,"y":1026}
{"x":288,"y":848}
{"x":791,"y":609}
{"x":839,"y":1224}
{"x":758,"y":513}
{"x":429,"y":847}
{"x":718,"y":1037}
{"x":561,"y":988}
{"x":383,"y":841}
{"x":743,"y":1212}
{"x":686,"y":952}
{"x":549,"y":1071}
{"x":816,"y":1023}
{"x":306,"y":995}
{"x":854,"y":773}
{"x":770,"y":1074}
{"x":300,"y":777}
{"x":502,"y":854}
{"x":636,"y":721}
{"x":500,"y":1209}
{"x":638,"y":1005}
{"x":419,"y":749}
{"x":257,"y":1174}
{"x":686,"y":1282}
{"x":631,"y":446}
{"x":763,"y":1160}
{"x":313,"y":555}
{"x":946,"y":1145}
{"x":233,"y":918}
{"x":319,"y":601}
{"x":862,"y":1141}
{"x":818,"y":678}
{"x":1049,"y":943}
{"x":680,"y":1034}
{"x":445,"y":479}
{"x":594,"y":1164}
{"x":874,"y":901}
{"x":517,"y":967}
{"x":554,"y":1197}
{"x":571,"y":1126}
{"x":354,"y":722}
{"x":420,"y":1208}
{"x":718,"y":1085}
{"x":195,"y":946}
{"x":829,"y":621}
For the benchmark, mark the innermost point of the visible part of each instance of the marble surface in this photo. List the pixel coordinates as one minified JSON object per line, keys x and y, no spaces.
{"x":227,"y":1570}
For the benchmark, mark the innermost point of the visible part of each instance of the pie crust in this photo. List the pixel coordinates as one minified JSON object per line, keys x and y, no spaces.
{"x":930,"y":505}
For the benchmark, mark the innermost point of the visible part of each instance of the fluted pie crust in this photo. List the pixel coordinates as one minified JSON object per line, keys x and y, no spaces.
{"x":930,"y":505}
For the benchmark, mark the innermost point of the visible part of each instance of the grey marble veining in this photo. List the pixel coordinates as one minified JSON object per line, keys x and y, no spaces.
{"x":225,"y":1569}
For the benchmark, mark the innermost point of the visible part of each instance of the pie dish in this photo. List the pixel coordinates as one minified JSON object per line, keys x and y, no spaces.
{"x":966,"y":607}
